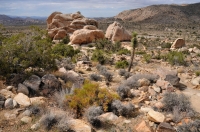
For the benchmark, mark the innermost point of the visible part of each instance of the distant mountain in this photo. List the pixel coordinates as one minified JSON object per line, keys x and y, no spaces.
{"x":163,"y":14}
{"x":16,"y":20}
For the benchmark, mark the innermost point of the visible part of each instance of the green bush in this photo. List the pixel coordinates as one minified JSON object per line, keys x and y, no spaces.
{"x":197,"y":73}
{"x":147,"y":58}
{"x":140,"y":52}
{"x":90,"y":95}
{"x":166,"y":45}
{"x":121,"y":64}
{"x":66,"y":40}
{"x":124,"y":51}
{"x":175,"y":58}
{"x":100,"y":56}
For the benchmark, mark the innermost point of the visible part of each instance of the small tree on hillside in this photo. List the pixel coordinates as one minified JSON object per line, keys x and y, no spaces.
{"x":134,"y":43}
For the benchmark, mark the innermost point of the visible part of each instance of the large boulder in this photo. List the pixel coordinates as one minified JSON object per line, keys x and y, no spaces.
{"x":22,"y":99}
{"x":59,"y":25}
{"x":178,"y":43}
{"x":84,"y":36}
{"x":116,"y":32}
{"x":33,"y":82}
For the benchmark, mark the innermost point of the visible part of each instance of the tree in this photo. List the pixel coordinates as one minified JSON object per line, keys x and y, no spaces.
{"x":134,"y":45}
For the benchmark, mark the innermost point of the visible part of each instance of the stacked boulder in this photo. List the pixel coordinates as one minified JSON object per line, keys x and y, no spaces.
{"x":116,"y":32}
{"x":60,"y":25}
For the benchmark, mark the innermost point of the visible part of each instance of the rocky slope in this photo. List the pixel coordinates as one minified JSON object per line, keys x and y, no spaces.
{"x":163,"y":14}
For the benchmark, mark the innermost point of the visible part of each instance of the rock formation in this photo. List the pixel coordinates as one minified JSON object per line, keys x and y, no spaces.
{"x":59,"y":25}
{"x":116,"y":32}
{"x":178,"y":43}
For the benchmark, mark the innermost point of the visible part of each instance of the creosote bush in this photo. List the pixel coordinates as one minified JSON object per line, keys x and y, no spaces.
{"x":95,"y":77}
{"x":193,"y":126}
{"x":147,"y":58}
{"x":175,"y":58}
{"x":121,"y":64}
{"x":124,"y":91}
{"x":89,"y":95}
{"x":103,"y":71}
{"x":123,"y":72}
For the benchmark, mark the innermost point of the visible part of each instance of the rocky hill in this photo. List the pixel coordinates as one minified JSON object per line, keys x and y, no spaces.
{"x":7,"y":20}
{"x":163,"y":14}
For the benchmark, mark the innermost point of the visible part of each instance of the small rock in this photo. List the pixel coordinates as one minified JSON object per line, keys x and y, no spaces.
{"x":26,"y":113}
{"x":22,"y":99}
{"x":33,"y":82}
{"x":145,"y":109}
{"x":159,"y":105}
{"x":35,"y":127}
{"x":78,"y":125}
{"x":196,"y":81}
{"x":10,"y":116}
{"x":6,"y":93}
{"x":156,"y":116}
{"x":143,"y":127}
{"x":172,"y":79}
{"x":156,"y":88}
{"x":26,"y":119}
{"x":109,"y":116}
{"x":9,"y":88}
{"x":135,"y":93}
{"x":22,"y":89}
{"x":165,"y":127}
{"x":152,"y":91}
{"x":9,"y":103}
{"x":144,"y":88}
{"x":37,"y":100}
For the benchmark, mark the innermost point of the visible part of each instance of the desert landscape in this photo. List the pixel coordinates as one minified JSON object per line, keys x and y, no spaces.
{"x":138,"y":71}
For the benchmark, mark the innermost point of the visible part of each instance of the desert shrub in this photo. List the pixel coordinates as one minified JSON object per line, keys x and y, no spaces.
{"x":49,"y":120}
{"x":100,"y":56}
{"x":132,"y":81}
{"x":60,"y":97}
{"x":63,"y":50}
{"x":92,"y":115}
{"x":95,"y":77}
{"x":123,"y":72}
{"x":122,"y":109}
{"x":90,"y":94}
{"x":124,"y":51}
{"x":197,"y":73}
{"x":140,"y":52}
{"x":63,"y":124}
{"x":193,"y":126}
{"x":66,"y":40}
{"x":21,"y":51}
{"x":176,"y":58}
{"x":179,"y":105}
{"x":166,"y":45}
{"x":107,"y":45}
{"x":37,"y":110}
{"x":147,"y":58}
{"x":103,"y":71}
{"x":65,"y":62}
{"x":121,"y":64}
{"x":124,"y":91}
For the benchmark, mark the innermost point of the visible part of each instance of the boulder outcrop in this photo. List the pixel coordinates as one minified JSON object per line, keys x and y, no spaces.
{"x":178,"y":43}
{"x":116,"y":32}
{"x":59,"y":25}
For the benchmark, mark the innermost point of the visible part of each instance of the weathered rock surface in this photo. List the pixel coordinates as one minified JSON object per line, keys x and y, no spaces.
{"x":196,"y":81}
{"x":84,"y":36}
{"x":6,"y":93}
{"x":59,"y":25}
{"x":116,"y":32}
{"x":108,"y":117}
{"x":26,"y":119}
{"x":178,"y":43}
{"x":22,"y":99}
{"x":156,"y":116}
{"x":10,"y":103}
{"x":174,"y":80}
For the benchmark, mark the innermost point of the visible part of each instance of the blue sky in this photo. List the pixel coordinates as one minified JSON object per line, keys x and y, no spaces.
{"x":89,"y":8}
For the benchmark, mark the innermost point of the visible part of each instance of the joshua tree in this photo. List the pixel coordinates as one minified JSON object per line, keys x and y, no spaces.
{"x":134,"y":43}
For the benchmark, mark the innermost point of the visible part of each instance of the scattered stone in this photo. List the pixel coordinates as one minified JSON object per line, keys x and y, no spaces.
{"x":26,"y":113}
{"x":196,"y":81}
{"x":108,"y":117}
{"x":145,"y":109}
{"x":26,"y":119}
{"x":156,"y":88}
{"x":159,"y":105}
{"x":156,"y":116}
{"x":152,"y":92}
{"x":9,"y":103}
{"x":163,"y":84}
{"x":178,"y":43}
{"x":144,"y":88}
{"x":38,"y":100}
{"x":2,"y":100}
{"x":22,"y":99}
{"x":173,"y":80}
{"x":165,"y":127}
{"x":9,"y":88}
{"x":6,"y":93}
{"x":143,"y":127}
{"x":22,"y":89}
{"x":116,"y":32}
{"x":35,"y":127}
{"x":79,"y":126}
{"x":10,"y":116}
{"x":33,"y":82}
